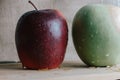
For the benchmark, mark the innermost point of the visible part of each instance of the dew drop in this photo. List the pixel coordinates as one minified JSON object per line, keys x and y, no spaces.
{"x":91,"y":36}
{"x":93,"y":61}
{"x":98,"y":47}
{"x":107,"y":55}
{"x":91,"y":23}
{"x":24,"y":67}
{"x":96,"y":32}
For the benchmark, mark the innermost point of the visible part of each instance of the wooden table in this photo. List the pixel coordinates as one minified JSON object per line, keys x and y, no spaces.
{"x":67,"y":71}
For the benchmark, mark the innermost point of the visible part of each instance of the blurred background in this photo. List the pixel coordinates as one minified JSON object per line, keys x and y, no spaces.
{"x":11,"y":11}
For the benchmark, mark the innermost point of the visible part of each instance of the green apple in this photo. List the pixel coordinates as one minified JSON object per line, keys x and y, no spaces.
{"x":96,"y":34}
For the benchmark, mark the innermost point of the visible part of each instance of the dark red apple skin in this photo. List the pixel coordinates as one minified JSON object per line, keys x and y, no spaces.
{"x":41,"y":39}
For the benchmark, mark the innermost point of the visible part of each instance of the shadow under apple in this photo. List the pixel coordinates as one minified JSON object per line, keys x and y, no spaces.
{"x":18,"y":65}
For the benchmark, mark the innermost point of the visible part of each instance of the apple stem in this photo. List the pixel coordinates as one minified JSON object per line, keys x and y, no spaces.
{"x":33,"y":5}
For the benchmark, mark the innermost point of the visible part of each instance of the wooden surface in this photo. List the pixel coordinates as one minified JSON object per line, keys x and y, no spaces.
{"x":67,"y":71}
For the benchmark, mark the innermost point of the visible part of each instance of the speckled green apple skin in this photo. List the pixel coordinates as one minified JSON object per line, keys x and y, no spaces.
{"x":96,"y":38}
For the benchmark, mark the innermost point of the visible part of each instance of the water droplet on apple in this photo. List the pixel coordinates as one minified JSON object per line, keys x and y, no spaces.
{"x":91,"y":23}
{"x":91,"y":35}
{"x":107,"y":55}
{"x":93,"y":62}
{"x":96,"y":32}
{"x":24,"y":67}
{"x":98,"y":47}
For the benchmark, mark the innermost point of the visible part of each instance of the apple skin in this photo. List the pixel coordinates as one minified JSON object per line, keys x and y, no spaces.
{"x":96,"y":34}
{"x":41,"y":39}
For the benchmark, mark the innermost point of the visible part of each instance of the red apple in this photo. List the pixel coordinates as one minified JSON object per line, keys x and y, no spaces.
{"x":41,"y":39}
